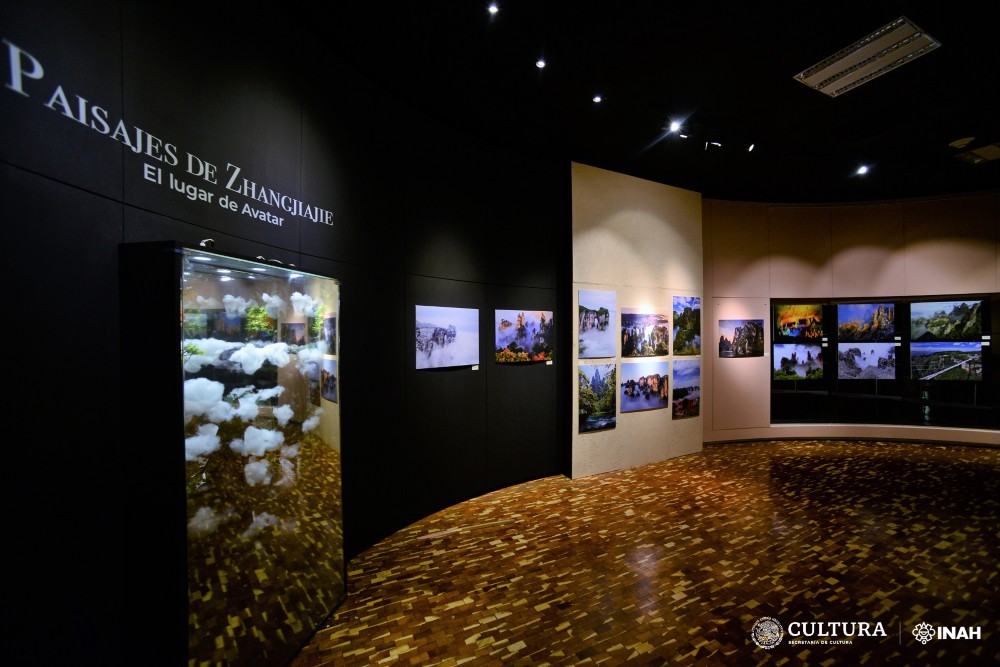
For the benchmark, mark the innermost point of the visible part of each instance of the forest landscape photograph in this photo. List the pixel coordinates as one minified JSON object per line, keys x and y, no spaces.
{"x":687,"y":325}
{"x":946,"y":320}
{"x":598,"y":387}
{"x":523,"y":336}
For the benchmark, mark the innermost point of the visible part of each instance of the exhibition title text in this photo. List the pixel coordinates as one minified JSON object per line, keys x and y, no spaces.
{"x":25,"y":71}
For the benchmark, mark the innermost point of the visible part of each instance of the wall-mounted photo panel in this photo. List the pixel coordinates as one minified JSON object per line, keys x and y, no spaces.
{"x":798,"y":361}
{"x":523,"y":336}
{"x":866,"y":361}
{"x":946,"y":360}
{"x":741,"y":338}
{"x":328,"y":380}
{"x":645,"y":333}
{"x":946,"y":320}
{"x":598,"y":391}
{"x":597,"y":329}
{"x":798,"y":320}
{"x":447,"y":336}
{"x":687,"y":388}
{"x":293,"y":333}
{"x":645,"y":385}
{"x":328,"y":336}
{"x":687,"y":325}
{"x":866,"y":321}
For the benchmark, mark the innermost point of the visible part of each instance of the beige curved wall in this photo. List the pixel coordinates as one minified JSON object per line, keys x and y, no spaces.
{"x":754,"y":252}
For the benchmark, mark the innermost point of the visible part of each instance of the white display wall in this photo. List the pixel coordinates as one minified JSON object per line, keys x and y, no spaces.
{"x":642,"y":241}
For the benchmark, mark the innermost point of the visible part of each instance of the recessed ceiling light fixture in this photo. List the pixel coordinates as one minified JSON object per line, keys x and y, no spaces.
{"x":873,"y":55}
{"x":597,"y":98}
{"x":540,"y":63}
{"x":493,"y":9}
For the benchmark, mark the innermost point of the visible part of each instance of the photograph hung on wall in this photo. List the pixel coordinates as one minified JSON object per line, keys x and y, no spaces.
{"x":865,"y":348}
{"x":645,"y":385}
{"x":798,"y":321}
{"x":328,"y":335}
{"x":523,"y":336}
{"x":686,"y":388}
{"x":866,"y":321}
{"x":797,"y":361}
{"x":866,"y":361}
{"x":447,"y":336}
{"x":946,"y":320}
{"x":293,"y":333}
{"x":328,"y":380}
{"x":645,"y":332}
{"x":741,"y":338}
{"x":596,"y":327}
{"x":946,"y":360}
{"x":597,"y":394}
{"x":687,"y":325}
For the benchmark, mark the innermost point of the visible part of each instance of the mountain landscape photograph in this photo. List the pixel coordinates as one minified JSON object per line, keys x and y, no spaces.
{"x":644,"y":333}
{"x":946,"y":320}
{"x":866,"y":321}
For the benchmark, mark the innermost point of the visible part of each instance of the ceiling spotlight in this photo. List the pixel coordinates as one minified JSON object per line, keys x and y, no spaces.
{"x":540,"y":63}
{"x":862,"y":170}
{"x":749,"y":148}
{"x":597,"y":98}
{"x":493,"y":9}
{"x":674,"y":126}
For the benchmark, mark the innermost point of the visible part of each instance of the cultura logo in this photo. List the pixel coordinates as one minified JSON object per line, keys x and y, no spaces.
{"x":766,"y":632}
{"x":924,"y":632}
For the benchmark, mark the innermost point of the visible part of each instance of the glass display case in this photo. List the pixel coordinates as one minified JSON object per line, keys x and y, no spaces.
{"x":259,"y":435}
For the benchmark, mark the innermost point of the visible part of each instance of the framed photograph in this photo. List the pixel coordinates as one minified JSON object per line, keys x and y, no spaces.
{"x":645,"y":385}
{"x":447,"y":336}
{"x":946,"y":360}
{"x":687,"y":388}
{"x":597,"y":330}
{"x":866,"y":361}
{"x":523,"y":336}
{"x":293,"y":333}
{"x":328,"y":380}
{"x":645,"y":333}
{"x":946,"y":320}
{"x":687,"y":325}
{"x":866,"y":321}
{"x":797,"y":361}
{"x":741,"y":338}
{"x":798,"y":320}
{"x":597,"y":393}
{"x":328,"y":335}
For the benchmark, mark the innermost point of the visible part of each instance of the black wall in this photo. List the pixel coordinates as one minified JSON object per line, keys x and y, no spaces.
{"x":422,"y":214}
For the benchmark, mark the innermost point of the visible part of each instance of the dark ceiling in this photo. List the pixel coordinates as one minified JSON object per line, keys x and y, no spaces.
{"x":727,"y":71}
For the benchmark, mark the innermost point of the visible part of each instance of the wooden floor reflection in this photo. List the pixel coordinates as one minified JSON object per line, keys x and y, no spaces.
{"x":674,"y":562}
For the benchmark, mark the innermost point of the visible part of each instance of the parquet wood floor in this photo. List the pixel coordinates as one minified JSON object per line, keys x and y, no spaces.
{"x":675,"y":562}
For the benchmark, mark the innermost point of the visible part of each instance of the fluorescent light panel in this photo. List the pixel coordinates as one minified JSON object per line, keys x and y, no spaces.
{"x":872,"y":56}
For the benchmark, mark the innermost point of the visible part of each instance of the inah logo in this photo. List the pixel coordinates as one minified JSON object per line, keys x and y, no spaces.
{"x":924,"y":632}
{"x":766,"y":632}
